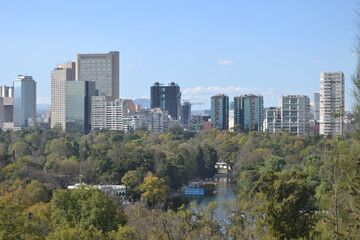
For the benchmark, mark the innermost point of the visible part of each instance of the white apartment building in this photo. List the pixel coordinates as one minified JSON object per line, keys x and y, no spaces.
{"x":106,"y":114}
{"x":159,"y":120}
{"x":332,"y":102}
{"x":295,"y":114}
{"x":59,"y":76}
{"x":272,"y":122}
{"x":131,"y":123}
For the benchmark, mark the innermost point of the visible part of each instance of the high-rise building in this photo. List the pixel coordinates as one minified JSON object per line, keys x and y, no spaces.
{"x":220,"y":112}
{"x":24,"y":102}
{"x":98,"y":111}
{"x":59,"y":76}
{"x":78,"y":106}
{"x":103,"y":69}
{"x":6,"y":105}
{"x":159,"y":120}
{"x":317,"y":106}
{"x":332,"y":102}
{"x":166,"y":98}
{"x":272,"y":122}
{"x":248,"y":112}
{"x":106,"y":113}
{"x":295,"y":114}
{"x":186,"y":114}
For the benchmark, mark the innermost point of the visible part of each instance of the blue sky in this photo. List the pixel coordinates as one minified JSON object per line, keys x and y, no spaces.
{"x":268,"y":47}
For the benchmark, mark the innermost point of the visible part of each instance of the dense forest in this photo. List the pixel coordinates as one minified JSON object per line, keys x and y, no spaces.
{"x":289,"y":187}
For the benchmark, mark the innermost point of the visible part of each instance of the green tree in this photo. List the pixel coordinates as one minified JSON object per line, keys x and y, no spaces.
{"x":11,"y":221}
{"x":58,"y":146}
{"x":154,"y":190}
{"x":206,"y":161}
{"x":133,"y":179}
{"x":284,"y":205}
{"x":123,"y":233}
{"x":84,"y":208}
{"x":19,"y":149}
{"x":274,"y":163}
{"x":338,"y":192}
{"x":24,"y":213}
{"x":75,"y":234}
{"x":34,"y":140}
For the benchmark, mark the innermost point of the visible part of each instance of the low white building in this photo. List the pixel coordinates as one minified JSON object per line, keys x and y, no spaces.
{"x":113,"y":190}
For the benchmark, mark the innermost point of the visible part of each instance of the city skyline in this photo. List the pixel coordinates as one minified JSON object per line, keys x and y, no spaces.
{"x":272,"y":49}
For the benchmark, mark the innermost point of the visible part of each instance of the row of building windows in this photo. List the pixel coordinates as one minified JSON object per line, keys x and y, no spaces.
{"x":100,"y":60}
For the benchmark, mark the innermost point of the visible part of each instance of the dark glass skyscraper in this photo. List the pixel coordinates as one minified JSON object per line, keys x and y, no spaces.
{"x":78,"y":105}
{"x":167,"y":98}
{"x":220,"y":112}
{"x":24,"y":102}
{"x":186,"y":114}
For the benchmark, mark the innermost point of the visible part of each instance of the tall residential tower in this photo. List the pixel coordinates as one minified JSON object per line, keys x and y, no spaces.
{"x":220,"y":112}
{"x":295,"y":114}
{"x":332,"y":102}
{"x":248,"y":112}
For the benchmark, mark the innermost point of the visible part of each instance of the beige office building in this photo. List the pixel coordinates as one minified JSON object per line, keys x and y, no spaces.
{"x":62,"y":73}
{"x":101,"y":68}
{"x":332,"y":102}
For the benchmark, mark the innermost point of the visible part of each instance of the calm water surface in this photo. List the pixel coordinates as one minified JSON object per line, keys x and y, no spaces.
{"x":223,"y":192}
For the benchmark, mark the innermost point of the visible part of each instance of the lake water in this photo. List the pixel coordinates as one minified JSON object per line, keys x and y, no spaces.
{"x":222,"y":192}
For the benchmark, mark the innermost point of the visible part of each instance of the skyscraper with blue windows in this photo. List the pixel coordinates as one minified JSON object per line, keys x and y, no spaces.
{"x":78,"y":106}
{"x":24,"y":102}
{"x":220,"y":112}
{"x":248,"y":112}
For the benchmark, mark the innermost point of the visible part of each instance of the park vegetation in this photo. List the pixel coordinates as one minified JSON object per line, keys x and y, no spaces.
{"x":289,"y":187}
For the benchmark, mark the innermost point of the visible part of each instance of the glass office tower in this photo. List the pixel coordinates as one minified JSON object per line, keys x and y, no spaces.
{"x":24,"y":102}
{"x":78,"y":106}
